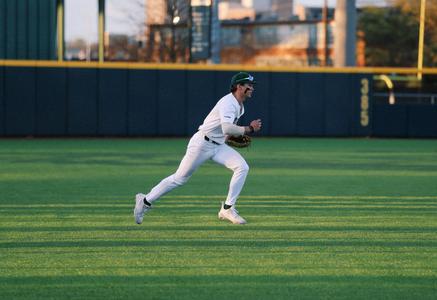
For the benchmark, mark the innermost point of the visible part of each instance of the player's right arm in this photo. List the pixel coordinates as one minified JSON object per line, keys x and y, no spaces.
{"x":231,"y":129}
{"x":228,"y":115}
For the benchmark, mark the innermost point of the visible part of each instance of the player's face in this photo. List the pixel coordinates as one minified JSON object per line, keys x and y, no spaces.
{"x":248,"y":89}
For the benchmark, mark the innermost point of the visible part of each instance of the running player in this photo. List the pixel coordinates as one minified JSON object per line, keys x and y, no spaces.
{"x":209,"y":143}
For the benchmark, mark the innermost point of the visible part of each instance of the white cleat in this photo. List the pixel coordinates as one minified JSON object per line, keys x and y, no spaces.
{"x":231,"y":214}
{"x":140,"y":208}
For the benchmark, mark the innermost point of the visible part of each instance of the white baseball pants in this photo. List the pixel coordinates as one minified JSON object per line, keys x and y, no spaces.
{"x":198,"y":151}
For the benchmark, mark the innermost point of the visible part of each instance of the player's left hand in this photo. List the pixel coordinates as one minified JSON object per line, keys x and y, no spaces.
{"x":241,"y":141}
{"x":256,"y":125}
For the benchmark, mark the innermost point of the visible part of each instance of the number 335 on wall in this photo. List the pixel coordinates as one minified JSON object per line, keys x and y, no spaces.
{"x":364,"y":102}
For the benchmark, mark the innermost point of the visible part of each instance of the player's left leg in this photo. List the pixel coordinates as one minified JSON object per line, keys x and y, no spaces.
{"x":231,"y":159}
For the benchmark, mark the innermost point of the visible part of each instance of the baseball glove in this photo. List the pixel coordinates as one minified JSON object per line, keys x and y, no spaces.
{"x":241,"y":141}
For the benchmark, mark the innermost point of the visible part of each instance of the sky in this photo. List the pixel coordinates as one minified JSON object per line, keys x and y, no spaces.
{"x":86,"y":25}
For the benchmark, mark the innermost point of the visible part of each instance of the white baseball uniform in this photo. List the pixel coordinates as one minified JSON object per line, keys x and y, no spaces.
{"x":209,"y":143}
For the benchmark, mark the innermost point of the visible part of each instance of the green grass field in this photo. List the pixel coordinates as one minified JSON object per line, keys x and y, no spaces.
{"x":328,"y":219}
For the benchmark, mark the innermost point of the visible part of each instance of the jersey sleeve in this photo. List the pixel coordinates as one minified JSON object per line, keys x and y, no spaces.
{"x":227,"y":113}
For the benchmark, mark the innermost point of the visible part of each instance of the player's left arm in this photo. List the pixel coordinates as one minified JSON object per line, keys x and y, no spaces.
{"x":254,"y":126}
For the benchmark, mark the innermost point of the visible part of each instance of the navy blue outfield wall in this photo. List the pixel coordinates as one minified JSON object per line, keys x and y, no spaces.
{"x":69,"y":101}
{"x":405,"y":120}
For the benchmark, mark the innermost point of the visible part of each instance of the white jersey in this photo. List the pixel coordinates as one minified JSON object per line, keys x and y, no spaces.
{"x":227,"y":110}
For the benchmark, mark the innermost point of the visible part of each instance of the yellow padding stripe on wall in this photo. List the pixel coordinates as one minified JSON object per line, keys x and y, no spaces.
{"x":220,"y":67}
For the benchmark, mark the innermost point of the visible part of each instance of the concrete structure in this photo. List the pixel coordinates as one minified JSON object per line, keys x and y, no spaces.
{"x":279,"y":10}
{"x":230,"y":10}
{"x":345,"y":33}
{"x":312,"y":13}
{"x":156,"y":11}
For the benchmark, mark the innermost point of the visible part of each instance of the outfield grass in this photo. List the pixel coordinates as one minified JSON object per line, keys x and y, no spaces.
{"x":328,"y":218}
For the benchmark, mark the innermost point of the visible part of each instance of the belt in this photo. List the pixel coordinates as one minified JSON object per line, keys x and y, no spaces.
{"x":209,"y":140}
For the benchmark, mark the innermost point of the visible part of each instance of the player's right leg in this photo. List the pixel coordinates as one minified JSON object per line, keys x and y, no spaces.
{"x":198,"y":151}
{"x":141,"y":207}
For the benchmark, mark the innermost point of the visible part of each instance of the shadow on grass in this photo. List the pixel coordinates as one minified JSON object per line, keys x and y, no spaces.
{"x":221,"y":243}
{"x":291,"y":210}
{"x":200,"y":228}
{"x":207,"y":286}
{"x":97,"y":158}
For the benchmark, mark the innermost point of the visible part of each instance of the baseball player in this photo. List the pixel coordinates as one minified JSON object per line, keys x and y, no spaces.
{"x":209,"y":143}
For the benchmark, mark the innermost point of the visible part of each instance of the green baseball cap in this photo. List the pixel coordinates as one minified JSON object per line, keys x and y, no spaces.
{"x":241,"y":78}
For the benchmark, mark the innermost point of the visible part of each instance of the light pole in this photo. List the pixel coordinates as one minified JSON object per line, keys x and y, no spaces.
{"x":215,"y":33}
{"x":345,"y":31}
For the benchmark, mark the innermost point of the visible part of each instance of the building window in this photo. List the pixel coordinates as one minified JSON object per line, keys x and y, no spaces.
{"x":125,"y":37}
{"x":81,"y":27}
